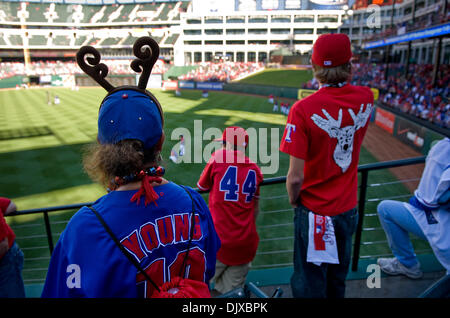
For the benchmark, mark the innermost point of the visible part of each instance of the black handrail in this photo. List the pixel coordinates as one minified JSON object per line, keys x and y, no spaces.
{"x":363,"y":169}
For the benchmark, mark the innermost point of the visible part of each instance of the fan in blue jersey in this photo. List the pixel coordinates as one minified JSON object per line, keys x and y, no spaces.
{"x":162,"y":228}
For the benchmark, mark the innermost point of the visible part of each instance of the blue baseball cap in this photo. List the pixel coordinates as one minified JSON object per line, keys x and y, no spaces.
{"x":130,"y":114}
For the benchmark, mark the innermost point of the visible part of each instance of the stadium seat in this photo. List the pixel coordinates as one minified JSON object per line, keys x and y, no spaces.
{"x":15,"y":39}
{"x":170,"y":40}
{"x":36,"y":12}
{"x":61,"y":40}
{"x":37,"y":40}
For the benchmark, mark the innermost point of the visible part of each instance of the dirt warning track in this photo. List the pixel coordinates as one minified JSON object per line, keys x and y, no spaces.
{"x":385,"y":147}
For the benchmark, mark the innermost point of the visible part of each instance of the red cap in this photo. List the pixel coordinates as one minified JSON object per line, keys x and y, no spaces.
{"x":331,"y":50}
{"x":235,"y":135}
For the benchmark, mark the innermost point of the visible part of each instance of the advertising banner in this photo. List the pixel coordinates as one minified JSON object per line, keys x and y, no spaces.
{"x":186,"y":85}
{"x":440,"y":30}
{"x":385,"y":120}
{"x":302,"y":93}
{"x":411,"y":133}
{"x":376,"y":93}
{"x":170,"y":85}
{"x":155,"y":81}
{"x":214,"y":86}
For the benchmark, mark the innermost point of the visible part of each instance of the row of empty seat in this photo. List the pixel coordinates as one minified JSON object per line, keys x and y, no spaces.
{"x":29,"y":12}
{"x":69,"y":40}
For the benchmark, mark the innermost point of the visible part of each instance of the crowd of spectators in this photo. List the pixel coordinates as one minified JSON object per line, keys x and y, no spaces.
{"x":115,"y":66}
{"x":434,"y":18}
{"x":214,"y":72}
{"x":220,"y":72}
{"x":413,"y":94}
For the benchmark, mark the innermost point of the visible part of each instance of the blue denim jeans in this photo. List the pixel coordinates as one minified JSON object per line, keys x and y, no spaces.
{"x":326,"y":280}
{"x":11,"y":282}
{"x":397,"y":222}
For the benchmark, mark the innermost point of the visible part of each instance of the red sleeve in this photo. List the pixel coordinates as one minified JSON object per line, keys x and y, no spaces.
{"x":205,"y":181}
{"x":4,"y":203}
{"x":295,"y":138}
{"x":3,"y":228}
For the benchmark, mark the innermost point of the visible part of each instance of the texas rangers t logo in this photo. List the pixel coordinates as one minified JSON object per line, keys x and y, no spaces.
{"x":289,"y":129}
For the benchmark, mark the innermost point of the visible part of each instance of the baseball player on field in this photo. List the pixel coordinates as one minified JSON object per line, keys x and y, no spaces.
{"x":323,"y":137}
{"x":233,"y":180}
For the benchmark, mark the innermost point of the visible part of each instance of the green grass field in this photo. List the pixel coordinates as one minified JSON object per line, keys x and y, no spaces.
{"x":41,"y":147}
{"x":275,"y":77}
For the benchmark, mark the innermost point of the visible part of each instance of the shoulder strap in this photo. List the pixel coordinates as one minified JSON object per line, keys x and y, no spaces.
{"x":131,"y":258}
{"x":191,"y":234}
{"x":122,"y":248}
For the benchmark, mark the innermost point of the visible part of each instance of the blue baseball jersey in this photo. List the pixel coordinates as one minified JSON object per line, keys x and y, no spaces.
{"x":87,"y":263}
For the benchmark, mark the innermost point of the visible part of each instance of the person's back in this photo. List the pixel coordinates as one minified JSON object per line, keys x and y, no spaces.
{"x":156,"y":235}
{"x":233,"y":187}
{"x":330,"y":126}
{"x":11,"y":256}
{"x":233,"y":180}
{"x":323,"y":137}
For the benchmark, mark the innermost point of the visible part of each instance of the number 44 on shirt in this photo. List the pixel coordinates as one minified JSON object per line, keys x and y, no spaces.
{"x":229,"y":185}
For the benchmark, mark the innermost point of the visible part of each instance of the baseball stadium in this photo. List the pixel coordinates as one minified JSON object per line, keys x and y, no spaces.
{"x":222,"y":63}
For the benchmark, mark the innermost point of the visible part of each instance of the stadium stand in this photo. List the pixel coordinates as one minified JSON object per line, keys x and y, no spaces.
{"x":220,"y":72}
{"x":80,"y":40}
{"x":412,"y":95}
{"x":60,"y":13}
{"x":61,"y":40}
{"x":116,"y":66}
{"x":39,"y":40}
{"x":15,"y":39}
{"x":2,"y":39}
{"x":9,"y":10}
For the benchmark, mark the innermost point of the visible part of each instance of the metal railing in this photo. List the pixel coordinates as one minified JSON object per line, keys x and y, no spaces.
{"x":364,"y":171}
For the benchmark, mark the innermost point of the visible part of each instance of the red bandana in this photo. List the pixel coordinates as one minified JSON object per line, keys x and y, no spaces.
{"x":147,"y":190}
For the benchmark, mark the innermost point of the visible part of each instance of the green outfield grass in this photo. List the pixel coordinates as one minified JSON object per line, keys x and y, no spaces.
{"x":275,"y":77}
{"x":41,"y":149}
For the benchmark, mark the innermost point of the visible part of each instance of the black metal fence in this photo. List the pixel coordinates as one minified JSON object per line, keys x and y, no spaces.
{"x":364,"y":171}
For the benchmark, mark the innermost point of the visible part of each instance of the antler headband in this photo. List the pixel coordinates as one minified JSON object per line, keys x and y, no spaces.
{"x":145,"y":49}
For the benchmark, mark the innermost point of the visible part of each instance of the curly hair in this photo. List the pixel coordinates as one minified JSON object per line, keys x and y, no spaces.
{"x":103,"y":162}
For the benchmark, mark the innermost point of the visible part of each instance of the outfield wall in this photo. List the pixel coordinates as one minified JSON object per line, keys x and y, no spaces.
{"x":413,"y":134}
{"x":265,"y":90}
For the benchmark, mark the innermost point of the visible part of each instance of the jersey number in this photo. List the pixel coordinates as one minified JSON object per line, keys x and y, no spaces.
{"x":160,"y":274}
{"x":229,"y":185}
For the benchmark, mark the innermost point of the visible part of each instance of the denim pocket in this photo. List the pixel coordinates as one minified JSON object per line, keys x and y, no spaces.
{"x":301,"y":222}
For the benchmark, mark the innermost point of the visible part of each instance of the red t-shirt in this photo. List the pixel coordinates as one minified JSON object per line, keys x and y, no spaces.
{"x":326,"y":130}
{"x":5,"y":229}
{"x":234,"y":183}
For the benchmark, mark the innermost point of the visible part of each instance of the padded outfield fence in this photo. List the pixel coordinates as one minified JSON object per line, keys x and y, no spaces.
{"x":37,"y":230}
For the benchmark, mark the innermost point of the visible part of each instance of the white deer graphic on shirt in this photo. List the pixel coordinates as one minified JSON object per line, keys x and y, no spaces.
{"x":343,"y":152}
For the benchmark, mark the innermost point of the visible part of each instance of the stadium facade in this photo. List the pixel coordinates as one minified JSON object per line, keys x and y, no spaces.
{"x":201,"y":31}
